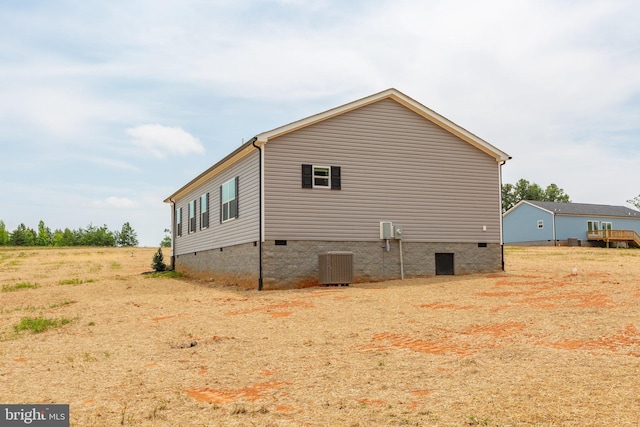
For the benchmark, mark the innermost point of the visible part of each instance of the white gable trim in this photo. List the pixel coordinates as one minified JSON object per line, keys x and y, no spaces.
{"x":521,"y":202}
{"x":402,"y":99}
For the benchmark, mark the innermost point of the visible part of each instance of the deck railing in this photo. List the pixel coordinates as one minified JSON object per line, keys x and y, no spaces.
{"x":614,"y":235}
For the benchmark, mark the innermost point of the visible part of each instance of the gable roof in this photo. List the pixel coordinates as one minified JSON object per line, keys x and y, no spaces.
{"x":560,"y":208}
{"x":402,"y":99}
{"x":264,"y":137}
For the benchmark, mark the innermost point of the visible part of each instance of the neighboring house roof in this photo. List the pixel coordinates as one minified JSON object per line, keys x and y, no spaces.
{"x":585,"y":209}
{"x":264,"y":137}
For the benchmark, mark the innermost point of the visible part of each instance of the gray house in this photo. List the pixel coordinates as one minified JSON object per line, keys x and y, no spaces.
{"x":552,"y":223}
{"x":404,"y":190}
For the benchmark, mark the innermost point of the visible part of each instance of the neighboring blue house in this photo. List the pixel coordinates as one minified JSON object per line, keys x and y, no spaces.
{"x":552,"y":223}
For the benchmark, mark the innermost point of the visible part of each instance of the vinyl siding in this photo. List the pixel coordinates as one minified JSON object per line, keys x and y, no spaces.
{"x":576,"y":226}
{"x":396,"y":166}
{"x":521,"y":225}
{"x":240,"y":230}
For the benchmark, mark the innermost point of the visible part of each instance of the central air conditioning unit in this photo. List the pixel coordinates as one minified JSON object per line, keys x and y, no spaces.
{"x":335,"y":268}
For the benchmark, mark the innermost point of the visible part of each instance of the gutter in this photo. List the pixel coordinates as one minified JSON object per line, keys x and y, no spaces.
{"x":501,"y":214}
{"x":173,"y":234}
{"x":260,"y":209}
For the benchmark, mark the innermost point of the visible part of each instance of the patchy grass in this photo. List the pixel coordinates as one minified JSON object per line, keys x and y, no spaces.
{"x":172,"y":274}
{"x":39,"y":324}
{"x":535,"y":345}
{"x":74,"y":281}
{"x":19,"y":286}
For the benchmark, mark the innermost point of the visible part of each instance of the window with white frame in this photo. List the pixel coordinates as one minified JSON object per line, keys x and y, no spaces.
{"x":321,"y":175}
{"x":540,"y":223}
{"x":606,"y":225}
{"x":229,"y":200}
{"x":179,"y":221}
{"x":593,"y":226}
{"x":314,"y":176}
{"x":192,"y":216}
{"x":204,"y":211}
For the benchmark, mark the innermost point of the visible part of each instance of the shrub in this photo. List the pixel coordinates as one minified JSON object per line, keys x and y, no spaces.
{"x":158,"y":261}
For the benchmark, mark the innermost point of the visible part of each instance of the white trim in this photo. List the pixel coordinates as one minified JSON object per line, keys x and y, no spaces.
{"x":195,"y":215}
{"x":222,"y":202}
{"x":402,"y":99}
{"x":262,"y":148}
{"x":205,"y":210}
{"x":313,"y":176}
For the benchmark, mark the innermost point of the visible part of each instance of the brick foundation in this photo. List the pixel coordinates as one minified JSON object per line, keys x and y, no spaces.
{"x":295,"y":264}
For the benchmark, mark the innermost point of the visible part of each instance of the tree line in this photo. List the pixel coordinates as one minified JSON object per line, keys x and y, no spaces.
{"x":524,"y":190}
{"x":88,"y":236}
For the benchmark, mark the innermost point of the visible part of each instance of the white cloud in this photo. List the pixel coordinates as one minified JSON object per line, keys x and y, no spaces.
{"x":115,"y":202}
{"x":162,"y":140}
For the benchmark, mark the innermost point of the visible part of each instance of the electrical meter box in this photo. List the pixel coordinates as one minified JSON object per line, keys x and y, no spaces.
{"x":397,"y":232}
{"x":386,"y":230}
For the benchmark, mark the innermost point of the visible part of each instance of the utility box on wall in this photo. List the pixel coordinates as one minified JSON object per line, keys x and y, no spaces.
{"x":386,"y":230}
{"x":335,"y":268}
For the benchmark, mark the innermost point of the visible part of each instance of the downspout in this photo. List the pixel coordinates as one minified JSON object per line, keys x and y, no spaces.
{"x":555,"y":238}
{"x":173,"y":234}
{"x":260,"y":209}
{"x":501,"y":214}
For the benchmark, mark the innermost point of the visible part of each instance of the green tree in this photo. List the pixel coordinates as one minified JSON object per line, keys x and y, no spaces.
{"x":166,"y":241}
{"x":524,"y":190}
{"x":45,"y":238}
{"x":4,"y":234}
{"x":65,"y":238}
{"x":635,"y":201}
{"x":158,"y":261}
{"x":127,"y":236}
{"x":23,"y":236}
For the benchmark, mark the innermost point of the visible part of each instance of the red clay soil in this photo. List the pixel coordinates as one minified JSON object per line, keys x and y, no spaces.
{"x":629,"y":336}
{"x":269,"y":309}
{"x":226,"y":395}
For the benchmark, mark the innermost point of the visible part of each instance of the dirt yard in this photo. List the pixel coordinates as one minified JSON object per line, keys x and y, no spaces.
{"x":539,"y":345}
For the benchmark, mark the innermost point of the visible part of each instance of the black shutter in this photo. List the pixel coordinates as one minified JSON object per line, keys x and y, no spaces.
{"x":336,"y":182}
{"x":237,"y":196}
{"x":307,"y":176}
{"x":221,"y":209}
{"x":207,"y":215}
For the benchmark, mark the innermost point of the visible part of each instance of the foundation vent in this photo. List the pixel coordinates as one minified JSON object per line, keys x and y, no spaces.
{"x":335,"y":268}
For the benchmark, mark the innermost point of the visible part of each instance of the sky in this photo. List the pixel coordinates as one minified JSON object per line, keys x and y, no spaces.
{"x":108,"y":107}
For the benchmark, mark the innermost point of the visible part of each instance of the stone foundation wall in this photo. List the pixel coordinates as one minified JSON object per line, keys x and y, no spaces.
{"x":296,"y":263}
{"x":237,"y":265}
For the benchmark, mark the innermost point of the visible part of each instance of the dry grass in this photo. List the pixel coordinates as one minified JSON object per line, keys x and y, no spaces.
{"x":536,"y":345}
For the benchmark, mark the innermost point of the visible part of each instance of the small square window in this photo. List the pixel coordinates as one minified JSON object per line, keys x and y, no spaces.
{"x":321,"y":176}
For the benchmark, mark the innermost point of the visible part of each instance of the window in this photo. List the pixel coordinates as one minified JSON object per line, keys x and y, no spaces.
{"x":229,"y":200}
{"x":321,"y":177}
{"x":204,"y":211}
{"x":592,"y":226}
{"x":179,"y":221}
{"x":606,"y":225}
{"x":540,"y":223}
{"x":192,"y":217}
